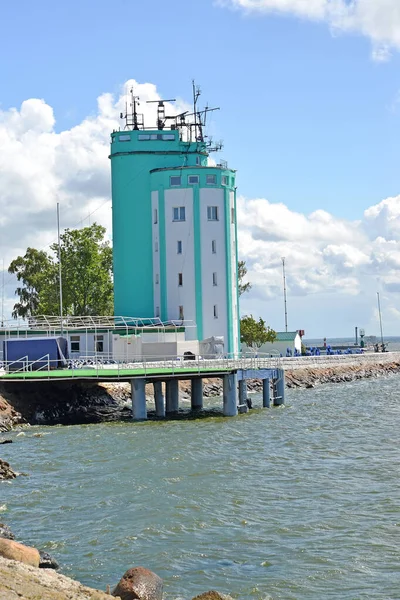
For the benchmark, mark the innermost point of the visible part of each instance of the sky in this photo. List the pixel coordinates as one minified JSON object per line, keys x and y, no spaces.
{"x":309,"y":92}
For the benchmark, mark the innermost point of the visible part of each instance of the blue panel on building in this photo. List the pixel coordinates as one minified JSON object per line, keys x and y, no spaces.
{"x":38,"y":351}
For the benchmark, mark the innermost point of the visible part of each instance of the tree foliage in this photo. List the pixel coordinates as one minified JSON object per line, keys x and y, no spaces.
{"x":242,"y":272}
{"x":255,"y":333}
{"x":86,"y":271}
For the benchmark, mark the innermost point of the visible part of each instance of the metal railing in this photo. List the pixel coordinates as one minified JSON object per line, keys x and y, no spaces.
{"x":106,"y":367}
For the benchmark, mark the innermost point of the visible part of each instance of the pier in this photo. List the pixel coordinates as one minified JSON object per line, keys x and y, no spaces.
{"x":234,"y":372}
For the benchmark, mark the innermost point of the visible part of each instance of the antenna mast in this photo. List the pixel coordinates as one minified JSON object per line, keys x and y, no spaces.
{"x":59,"y":266}
{"x":2,"y":298}
{"x":284,"y":290}
{"x":380,"y":316}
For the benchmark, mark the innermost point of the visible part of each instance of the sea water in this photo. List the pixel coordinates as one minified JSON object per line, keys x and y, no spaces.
{"x":300,"y":502}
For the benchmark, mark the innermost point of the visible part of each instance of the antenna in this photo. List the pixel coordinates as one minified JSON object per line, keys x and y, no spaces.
{"x":2,"y":298}
{"x":284,"y":290}
{"x":133,"y":119}
{"x":161,"y":118}
{"x":59,"y":266}
{"x":380,"y":316}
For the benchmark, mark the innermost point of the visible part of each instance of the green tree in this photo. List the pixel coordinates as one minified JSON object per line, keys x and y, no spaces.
{"x":86,"y":270}
{"x":255,"y":333}
{"x":242,"y":272}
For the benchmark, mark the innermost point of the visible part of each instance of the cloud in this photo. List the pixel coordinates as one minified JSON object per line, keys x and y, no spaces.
{"x":378,"y":20}
{"x":334,"y":267}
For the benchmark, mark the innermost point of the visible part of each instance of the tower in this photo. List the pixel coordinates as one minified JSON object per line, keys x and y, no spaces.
{"x":174,"y":225}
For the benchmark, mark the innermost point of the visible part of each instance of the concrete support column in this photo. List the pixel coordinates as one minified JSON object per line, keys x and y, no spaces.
{"x":197,"y":393}
{"x":159,"y":399}
{"x":138,"y":394}
{"x":242,"y":391}
{"x":266,"y":393}
{"x":172,"y":396}
{"x":279,"y":388}
{"x":230,"y":399}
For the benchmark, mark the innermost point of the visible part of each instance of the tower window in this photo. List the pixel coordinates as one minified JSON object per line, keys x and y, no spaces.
{"x":155,"y":218}
{"x":198,"y":160}
{"x":157,"y":278}
{"x":214,"y":246}
{"x":215,"y":281}
{"x":124,"y":138}
{"x":179,"y":213}
{"x":179,"y":247}
{"x":180,"y":279}
{"x":143,"y":137}
{"x":193,"y":179}
{"x":175,"y":180}
{"x":215,"y":311}
{"x":181,"y":315}
{"x":155,"y":246}
{"x":169,"y":137}
{"x":212,"y":213}
{"x":211,"y":179}
{"x":225,"y":180}
{"x":157,"y":311}
{"x":232,"y":215}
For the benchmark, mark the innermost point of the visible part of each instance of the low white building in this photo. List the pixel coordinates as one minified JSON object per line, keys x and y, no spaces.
{"x":284,"y":340}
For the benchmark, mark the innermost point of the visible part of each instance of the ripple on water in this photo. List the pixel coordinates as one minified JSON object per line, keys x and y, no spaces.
{"x":300,"y":503}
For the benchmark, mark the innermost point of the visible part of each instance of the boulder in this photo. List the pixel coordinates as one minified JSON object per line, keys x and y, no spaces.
{"x":15,"y":551}
{"x":139,"y":584}
{"x":212,"y":595}
{"x":6,"y":471}
{"x":5,"y":532}
{"x":47,"y":561}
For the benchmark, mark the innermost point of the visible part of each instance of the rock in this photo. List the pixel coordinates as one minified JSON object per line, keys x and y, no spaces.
{"x":212,"y":595}
{"x":6,"y":471}
{"x":6,"y":441}
{"x":5,"y":532}
{"x":46,"y":561}
{"x":139,"y":583}
{"x":15,"y":551}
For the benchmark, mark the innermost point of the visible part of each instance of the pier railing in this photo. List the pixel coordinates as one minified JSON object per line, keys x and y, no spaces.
{"x":110,"y":368}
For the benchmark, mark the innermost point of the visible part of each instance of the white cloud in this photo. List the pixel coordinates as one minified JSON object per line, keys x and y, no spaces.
{"x":334,"y":267}
{"x":379,"y":20}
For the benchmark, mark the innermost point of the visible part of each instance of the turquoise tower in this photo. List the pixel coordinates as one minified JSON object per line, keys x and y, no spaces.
{"x":174,"y":226}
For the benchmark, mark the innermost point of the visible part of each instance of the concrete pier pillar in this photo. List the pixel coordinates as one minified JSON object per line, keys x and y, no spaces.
{"x":230,"y":397}
{"x":159,"y":399}
{"x":266,"y":393}
{"x":242,"y":391}
{"x":138,"y":394}
{"x":197,"y":393}
{"x":279,"y":388}
{"x":172,"y":396}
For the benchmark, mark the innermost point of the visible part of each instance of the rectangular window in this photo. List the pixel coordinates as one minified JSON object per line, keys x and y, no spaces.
{"x":211,"y":180}
{"x":232,"y":215}
{"x":155,"y":246}
{"x":168,"y":137}
{"x":175,"y":180}
{"x":157,"y":311}
{"x":198,"y":160}
{"x":212,"y":213}
{"x":99,"y":343}
{"x":143,"y":137}
{"x":215,"y":279}
{"x":179,"y":247}
{"x":214,"y":246}
{"x":179,"y":213}
{"x":75,"y":343}
{"x":155,"y":217}
{"x":124,"y":138}
{"x":215,"y":311}
{"x":193,"y":179}
{"x":225,"y":180}
{"x":157,"y":278}
{"x":181,"y":315}
{"x":180,"y":279}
